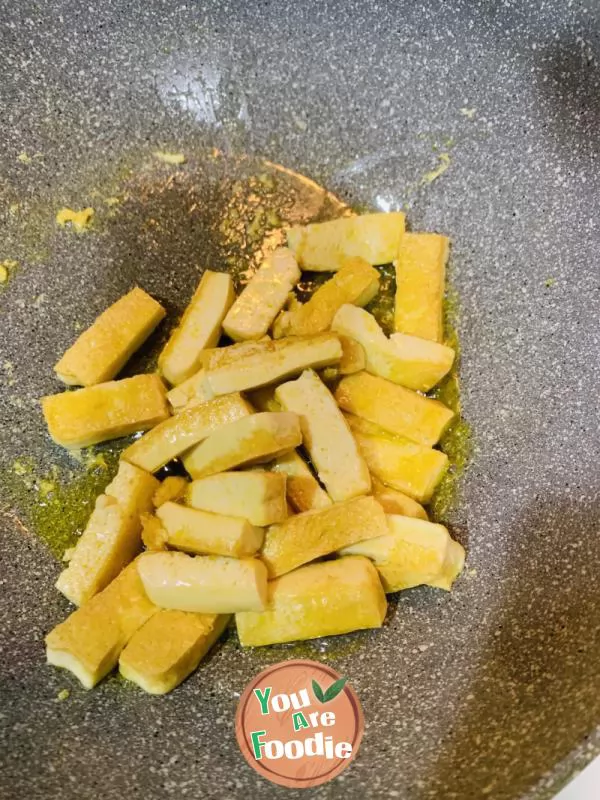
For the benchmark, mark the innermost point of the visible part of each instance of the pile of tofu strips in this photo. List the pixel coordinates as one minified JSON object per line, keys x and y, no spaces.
{"x":306,"y":450}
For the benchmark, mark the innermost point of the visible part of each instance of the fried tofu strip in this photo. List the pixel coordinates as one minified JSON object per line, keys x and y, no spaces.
{"x":169,"y":647}
{"x":414,"y":552}
{"x":89,"y":642}
{"x":252,"y":314}
{"x":357,"y":282}
{"x":200,"y":327}
{"x":306,"y":537}
{"x":331,"y":446}
{"x":104,"y":348}
{"x":394,"y":408}
{"x":205,"y":584}
{"x":326,"y":246}
{"x":415,"y":363}
{"x":420,"y":280}
{"x":259,"y":497}
{"x":272,"y":362}
{"x":111,"y":538}
{"x":323,"y":599}
{"x":181,"y":432}
{"x":399,"y":462}
{"x":105,"y":411}
{"x":251,"y":440}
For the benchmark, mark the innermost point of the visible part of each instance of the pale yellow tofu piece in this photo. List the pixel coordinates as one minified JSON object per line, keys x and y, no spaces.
{"x":202,"y":532}
{"x":108,"y":542}
{"x":181,"y":432}
{"x":353,"y":358}
{"x":200,"y":327}
{"x":326,"y":246}
{"x":106,"y":411}
{"x":420,"y":281}
{"x":132,"y":488}
{"x":192,"y":391}
{"x":263,"y":297}
{"x":414,"y":552}
{"x":274,"y":362}
{"x":263,"y":399}
{"x":452,"y":567}
{"x":253,"y":440}
{"x":313,"y":534}
{"x":398,"y":462}
{"x":394,"y":502}
{"x":324,"y":599}
{"x":256,"y":496}
{"x":204,"y":584}
{"x":386,"y":358}
{"x":427,"y":362}
{"x":331,"y":446}
{"x":172,"y":488}
{"x":104,"y":348}
{"x":220,"y":356}
{"x":88,"y":643}
{"x":302,"y":488}
{"x":357,"y":282}
{"x":394,"y":408}
{"x":111,"y":538}
{"x":169,"y":647}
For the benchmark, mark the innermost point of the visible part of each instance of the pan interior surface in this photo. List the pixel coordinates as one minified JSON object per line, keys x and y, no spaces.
{"x":481,"y":122}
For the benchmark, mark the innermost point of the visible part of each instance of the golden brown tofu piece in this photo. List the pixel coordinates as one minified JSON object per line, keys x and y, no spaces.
{"x":192,"y":391}
{"x":88,"y":643}
{"x":306,"y":537}
{"x":106,"y":411}
{"x":399,"y":462}
{"x":200,"y":327}
{"x":111,"y":538}
{"x":181,"y":432}
{"x":169,"y":647}
{"x":357,"y":282}
{"x":331,"y":446}
{"x":103,"y":349}
{"x":326,"y":246}
{"x":407,"y":360}
{"x":412,"y":553}
{"x":263,"y":297}
{"x":222,"y":356}
{"x":252,"y":440}
{"x":420,"y":279}
{"x":451,"y":568}
{"x":394,"y":502}
{"x":203,"y":532}
{"x":427,"y":362}
{"x":204,"y":584}
{"x":324,"y":599}
{"x":259,"y":497}
{"x":394,"y":408}
{"x":302,"y":488}
{"x":273,"y":362}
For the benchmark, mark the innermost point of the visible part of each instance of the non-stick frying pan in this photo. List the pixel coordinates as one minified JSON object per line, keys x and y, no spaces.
{"x":492,"y":691}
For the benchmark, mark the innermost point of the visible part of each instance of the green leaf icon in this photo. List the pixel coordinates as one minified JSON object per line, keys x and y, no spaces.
{"x":318,"y":692}
{"x":331,"y":693}
{"x":334,"y":689}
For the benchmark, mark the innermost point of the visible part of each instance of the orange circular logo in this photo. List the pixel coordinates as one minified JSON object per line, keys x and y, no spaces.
{"x":299,"y":724}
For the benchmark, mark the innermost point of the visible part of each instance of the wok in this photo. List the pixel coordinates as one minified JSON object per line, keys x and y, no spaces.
{"x":492,"y":691}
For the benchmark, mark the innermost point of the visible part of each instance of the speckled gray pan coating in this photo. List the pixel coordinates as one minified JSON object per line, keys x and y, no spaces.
{"x":493,"y":691}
